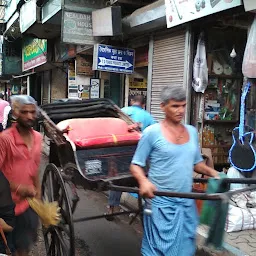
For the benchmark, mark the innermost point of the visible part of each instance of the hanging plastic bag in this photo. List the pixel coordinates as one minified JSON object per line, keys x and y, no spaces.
{"x":249,"y":61}
{"x":200,"y":70}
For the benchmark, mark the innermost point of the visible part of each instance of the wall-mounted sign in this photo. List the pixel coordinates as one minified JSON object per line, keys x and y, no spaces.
{"x":84,"y":5}
{"x":84,"y":65}
{"x":250,"y":5}
{"x":34,"y":53}
{"x":179,"y":12}
{"x":95,"y":88}
{"x":26,"y":21}
{"x":72,"y":86}
{"x":50,"y":9}
{"x":113,"y":59}
{"x":77,"y":28}
{"x":107,"y":21}
{"x":10,"y":10}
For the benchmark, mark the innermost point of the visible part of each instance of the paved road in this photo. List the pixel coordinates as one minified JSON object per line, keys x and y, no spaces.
{"x":99,"y":237}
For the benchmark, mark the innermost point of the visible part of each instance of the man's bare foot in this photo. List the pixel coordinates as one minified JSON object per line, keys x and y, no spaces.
{"x":5,"y":226}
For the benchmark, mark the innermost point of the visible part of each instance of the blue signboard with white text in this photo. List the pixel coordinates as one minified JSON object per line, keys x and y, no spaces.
{"x":113,"y":59}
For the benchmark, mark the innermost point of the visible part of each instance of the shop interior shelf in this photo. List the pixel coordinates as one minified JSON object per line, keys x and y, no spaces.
{"x":225,"y":76}
{"x":217,"y":146}
{"x":221,"y":121}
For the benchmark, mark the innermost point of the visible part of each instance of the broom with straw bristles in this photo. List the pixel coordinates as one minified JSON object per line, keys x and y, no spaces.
{"x":48,"y":212}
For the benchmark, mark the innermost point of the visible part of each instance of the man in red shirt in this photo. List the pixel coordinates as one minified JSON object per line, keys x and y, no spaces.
{"x":20,"y":153}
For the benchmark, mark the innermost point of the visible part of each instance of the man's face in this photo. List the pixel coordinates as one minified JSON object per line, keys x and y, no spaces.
{"x":174,"y":110}
{"x":26,"y":116}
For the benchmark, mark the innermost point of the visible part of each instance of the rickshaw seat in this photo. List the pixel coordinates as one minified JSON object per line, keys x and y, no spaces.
{"x":99,"y":132}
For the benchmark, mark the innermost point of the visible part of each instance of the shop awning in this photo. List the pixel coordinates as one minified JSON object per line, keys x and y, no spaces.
{"x":23,"y":75}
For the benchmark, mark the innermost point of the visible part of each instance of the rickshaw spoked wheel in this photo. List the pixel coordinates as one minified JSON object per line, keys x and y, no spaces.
{"x":59,"y":240}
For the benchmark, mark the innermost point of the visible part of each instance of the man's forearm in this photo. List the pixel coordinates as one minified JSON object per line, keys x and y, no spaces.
{"x":206,"y":170}
{"x":138,"y":173}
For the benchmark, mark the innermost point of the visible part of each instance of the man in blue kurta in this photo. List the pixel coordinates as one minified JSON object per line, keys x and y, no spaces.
{"x":139,"y":115}
{"x":172,"y":150}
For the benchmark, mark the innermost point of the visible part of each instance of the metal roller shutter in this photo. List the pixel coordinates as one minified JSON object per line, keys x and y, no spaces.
{"x":167,"y":67}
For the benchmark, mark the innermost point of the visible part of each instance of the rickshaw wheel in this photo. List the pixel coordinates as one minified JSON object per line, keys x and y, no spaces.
{"x":59,"y":240}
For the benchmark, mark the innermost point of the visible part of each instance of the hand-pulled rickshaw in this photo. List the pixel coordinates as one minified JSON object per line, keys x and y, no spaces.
{"x":91,"y":146}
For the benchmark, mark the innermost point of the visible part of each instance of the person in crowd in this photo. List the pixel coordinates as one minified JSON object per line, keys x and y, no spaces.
{"x":144,"y":119}
{"x":3,"y":105}
{"x":172,"y":150}
{"x":20,"y":153}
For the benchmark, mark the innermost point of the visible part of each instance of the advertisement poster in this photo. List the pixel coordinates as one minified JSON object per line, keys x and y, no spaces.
{"x":72,"y":86}
{"x":182,"y":11}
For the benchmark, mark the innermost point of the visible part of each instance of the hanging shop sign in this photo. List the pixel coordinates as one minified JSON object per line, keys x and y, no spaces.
{"x":10,"y":10}
{"x":26,"y":21}
{"x":49,"y":9}
{"x":179,"y":11}
{"x":84,"y":5}
{"x":113,"y":59}
{"x":34,"y":53}
{"x":95,"y":88}
{"x":250,"y":5}
{"x":77,"y":28}
{"x":137,"y":82}
{"x":84,"y":65}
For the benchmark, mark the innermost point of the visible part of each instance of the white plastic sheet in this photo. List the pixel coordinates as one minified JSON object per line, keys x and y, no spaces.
{"x":200,"y":69}
{"x":249,"y":61}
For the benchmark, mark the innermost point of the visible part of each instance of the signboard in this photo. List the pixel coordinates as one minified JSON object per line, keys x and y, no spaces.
{"x":26,"y":21}
{"x":181,"y":11}
{"x":72,"y":86}
{"x":34,"y":53}
{"x":84,"y":5}
{"x":10,"y":10}
{"x":95,"y":88}
{"x":84,"y":65}
{"x":113,"y":59}
{"x":249,"y":5}
{"x":50,"y":9}
{"x":77,"y":28}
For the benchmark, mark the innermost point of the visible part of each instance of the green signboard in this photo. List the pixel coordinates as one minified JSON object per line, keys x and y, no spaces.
{"x":34,"y":52}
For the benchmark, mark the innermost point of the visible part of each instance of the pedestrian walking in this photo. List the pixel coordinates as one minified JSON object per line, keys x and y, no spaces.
{"x":144,"y":119}
{"x":20,"y":153}
{"x":3,"y":105}
{"x":173,"y":153}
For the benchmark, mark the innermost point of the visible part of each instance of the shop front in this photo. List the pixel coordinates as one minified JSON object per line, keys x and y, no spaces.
{"x":138,"y":80}
{"x":217,"y":110}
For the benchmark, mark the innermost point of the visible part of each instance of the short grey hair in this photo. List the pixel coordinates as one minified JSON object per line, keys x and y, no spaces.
{"x":19,"y":100}
{"x":173,"y":92}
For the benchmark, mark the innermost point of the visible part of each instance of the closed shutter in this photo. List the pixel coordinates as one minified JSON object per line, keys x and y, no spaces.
{"x":167,"y":67}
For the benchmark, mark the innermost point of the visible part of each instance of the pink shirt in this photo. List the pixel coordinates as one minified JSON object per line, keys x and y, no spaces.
{"x":3,"y":104}
{"x":19,"y":164}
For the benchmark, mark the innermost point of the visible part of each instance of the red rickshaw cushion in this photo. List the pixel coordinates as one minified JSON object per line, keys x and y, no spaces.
{"x":99,"y":132}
